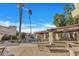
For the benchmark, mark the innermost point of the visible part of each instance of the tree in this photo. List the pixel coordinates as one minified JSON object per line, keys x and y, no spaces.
{"x":59,"y":20}
{"x":68,"y":15}
{"x":76,"y":20}
{"x":56,"y":21}
{"x":20,"y":14}
{"x":30,"y":13}
{"x":66,"y":18}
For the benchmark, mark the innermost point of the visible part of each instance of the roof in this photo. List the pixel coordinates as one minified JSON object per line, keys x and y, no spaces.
{"x":41,"y":32}
{"x":7,"y":27}
{"x":67,"y":28}
{"x":52,"y":29}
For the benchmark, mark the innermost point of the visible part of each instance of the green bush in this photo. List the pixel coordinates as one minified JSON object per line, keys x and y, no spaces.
{"x":14,"y":37}
{"x":9,"y":37}
{"x":5,"y":37}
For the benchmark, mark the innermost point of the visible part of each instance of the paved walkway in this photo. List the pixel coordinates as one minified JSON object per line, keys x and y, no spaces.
{"x":32,"y":50}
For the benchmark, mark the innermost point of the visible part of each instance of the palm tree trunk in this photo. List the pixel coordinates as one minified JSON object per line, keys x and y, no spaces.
{"x":30,"y":24}
{"x":20,"y":25}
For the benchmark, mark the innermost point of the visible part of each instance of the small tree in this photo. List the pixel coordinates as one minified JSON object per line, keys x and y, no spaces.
{"x":14,"y":37}
{"x":59,"y":20}
{"x":76,"y":20}
{"x":68,"y":14}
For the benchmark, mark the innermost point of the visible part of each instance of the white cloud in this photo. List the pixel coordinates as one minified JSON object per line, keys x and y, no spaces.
{"x":7,"y":23}
{"x":28,"y":25}
{"x":49,"y":26}
{"x":25,"y":27}
{"x":35,"y":29}
{"x":44,"y":27}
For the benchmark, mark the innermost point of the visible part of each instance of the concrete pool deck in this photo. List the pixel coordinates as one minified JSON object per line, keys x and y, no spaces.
{"x":33,"y":50}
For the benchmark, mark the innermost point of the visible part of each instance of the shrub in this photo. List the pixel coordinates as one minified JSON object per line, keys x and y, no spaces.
{"x":5,"y":37}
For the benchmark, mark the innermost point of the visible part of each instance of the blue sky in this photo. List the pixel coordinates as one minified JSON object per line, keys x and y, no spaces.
{"x":42,"y":15}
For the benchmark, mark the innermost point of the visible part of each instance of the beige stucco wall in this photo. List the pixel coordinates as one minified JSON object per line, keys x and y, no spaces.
{"x":11,"y":30}
{"x":8,"y":30}
{"x":44,"y":36}
{"x":75,"y":12}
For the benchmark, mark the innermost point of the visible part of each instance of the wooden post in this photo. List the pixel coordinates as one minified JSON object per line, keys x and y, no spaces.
{"x":73,"y":35}
{"x":78,"y":36}
{"x":51,"y":39}
{"x":68,"y":34}
{"x":36,"y":36}
{"x":44,"y":36}
{"x":57,"y":36}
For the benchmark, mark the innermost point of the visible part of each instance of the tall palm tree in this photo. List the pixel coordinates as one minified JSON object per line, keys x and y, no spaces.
{"x":30,"y":13}
{"x":20,"y":14}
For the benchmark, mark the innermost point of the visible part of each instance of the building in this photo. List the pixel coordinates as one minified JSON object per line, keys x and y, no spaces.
{"x":59,"y":34}
{"x":42,"y":35}
{"x":11,"y":30}
{"x":66,"y":33}
{"x":75,"y":12}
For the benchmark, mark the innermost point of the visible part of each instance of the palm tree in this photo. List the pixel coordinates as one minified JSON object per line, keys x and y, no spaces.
{"x":20,"y":14}
{"x":30,"y":13}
